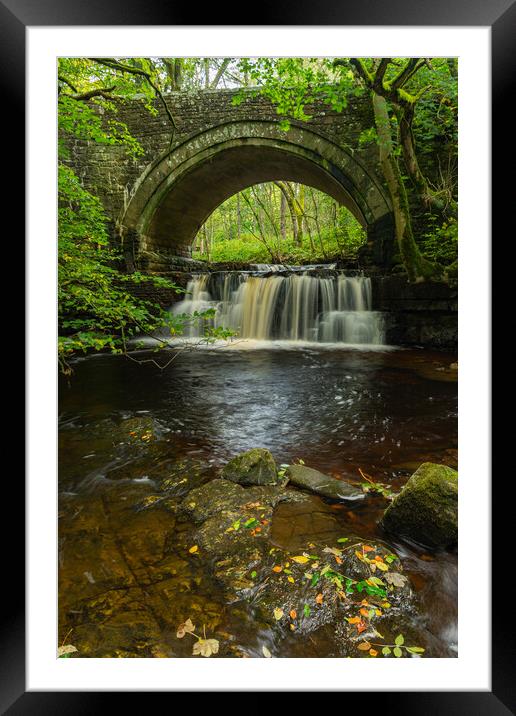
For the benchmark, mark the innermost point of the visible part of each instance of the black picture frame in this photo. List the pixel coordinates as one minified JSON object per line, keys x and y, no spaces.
{"x":15,"y":16}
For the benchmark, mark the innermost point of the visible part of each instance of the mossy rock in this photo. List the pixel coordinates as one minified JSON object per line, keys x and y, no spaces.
{"x":254,"y":467}
{"x":426,"y":511}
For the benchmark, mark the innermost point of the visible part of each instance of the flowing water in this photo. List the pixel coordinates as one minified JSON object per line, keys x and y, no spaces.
{"x":123,"y":586}
{"x":297,"y":307}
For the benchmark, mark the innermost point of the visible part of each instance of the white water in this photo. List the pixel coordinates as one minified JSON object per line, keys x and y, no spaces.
{"x":295,"y":307}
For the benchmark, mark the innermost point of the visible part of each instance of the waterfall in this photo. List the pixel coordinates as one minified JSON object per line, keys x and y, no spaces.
{"x":295,"y":307}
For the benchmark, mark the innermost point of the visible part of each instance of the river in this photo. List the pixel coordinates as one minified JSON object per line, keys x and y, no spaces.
{"x":124,"y":587}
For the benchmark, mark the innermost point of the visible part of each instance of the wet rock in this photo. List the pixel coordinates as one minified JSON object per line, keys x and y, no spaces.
{"x":309,"y":479}
{"x":425,"y":511}
{"x":231,"y":517}
{"x":219,"y":495}
{"x":254,"y":467}
{"x":305,"y":591}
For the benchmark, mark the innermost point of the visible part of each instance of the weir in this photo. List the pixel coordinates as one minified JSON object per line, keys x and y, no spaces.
{"x":296,"y":307}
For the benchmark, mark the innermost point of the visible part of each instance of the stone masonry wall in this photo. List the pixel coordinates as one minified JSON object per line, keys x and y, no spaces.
{"x":422,"y":314}
{"x":108,"y":172}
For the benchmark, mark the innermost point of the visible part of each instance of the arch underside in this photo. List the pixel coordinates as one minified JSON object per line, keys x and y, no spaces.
{"x":182,"y":189}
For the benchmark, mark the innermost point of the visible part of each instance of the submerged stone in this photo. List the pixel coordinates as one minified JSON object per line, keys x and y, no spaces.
{"x":254,"y":467}
{"x":309,"y":479}
{"x":426,"y":509}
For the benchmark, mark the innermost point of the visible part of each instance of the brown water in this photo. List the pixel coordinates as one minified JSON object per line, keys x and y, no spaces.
{"x":124,"y":584}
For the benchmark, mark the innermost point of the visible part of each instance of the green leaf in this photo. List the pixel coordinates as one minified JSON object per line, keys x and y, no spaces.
{"x":397,"y":652}
{"x":386,"y":651}
{"x":400,"y":640}
{"x":306,"y":610}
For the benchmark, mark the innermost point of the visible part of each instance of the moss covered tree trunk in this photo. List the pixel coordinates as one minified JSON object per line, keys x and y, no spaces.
{"x":417,"y":267}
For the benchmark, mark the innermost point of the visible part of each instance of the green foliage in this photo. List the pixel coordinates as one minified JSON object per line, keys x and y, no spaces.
{"x":95,"y":310}
{"x":237,"y":233}
{"x":441,"y":245}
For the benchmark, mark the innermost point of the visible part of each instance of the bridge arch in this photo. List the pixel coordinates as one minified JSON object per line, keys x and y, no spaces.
{"x":177,"y":193}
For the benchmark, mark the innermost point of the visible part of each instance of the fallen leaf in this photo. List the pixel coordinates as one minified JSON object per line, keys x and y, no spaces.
{"x":185,"y":628}
{"x":277,"y":568}
{"x":361,"y":627}
{"x":291,"y":580}
{"x":266,"y":652}
{"x":205,"y":647}
{"x":395,"y":578}
{"x":193,"y":549}
{"x":373,"y":652}
{"x":367,"y":548}
{"x":353,"y":620}
{"x":364,"y":646}
{"x":319,"y":598}
{"x":65,"y":650}
{"x":300,"y":559}
{"x":293,"y":614}
{"x":278,"y":613}
{"x":333,"y":550}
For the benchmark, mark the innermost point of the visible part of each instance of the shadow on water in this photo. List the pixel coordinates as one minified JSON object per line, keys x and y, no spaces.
{"x":127,"y":430}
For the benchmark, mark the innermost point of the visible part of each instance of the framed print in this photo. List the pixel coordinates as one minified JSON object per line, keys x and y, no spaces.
{"x":260,"y":404}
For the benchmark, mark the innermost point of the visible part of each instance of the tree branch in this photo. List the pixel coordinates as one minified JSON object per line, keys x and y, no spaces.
{"x":85,"y":96}
{"x":121,"y":67}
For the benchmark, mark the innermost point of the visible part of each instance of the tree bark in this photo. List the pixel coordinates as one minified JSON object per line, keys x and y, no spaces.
{"x":417,"y":267}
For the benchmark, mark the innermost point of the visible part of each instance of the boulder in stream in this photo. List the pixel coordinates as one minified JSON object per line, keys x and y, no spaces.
{"x":426,"y":509}
{"x":254,"y":467}
{"x":309,"y":479}
{"x":344,"y":586}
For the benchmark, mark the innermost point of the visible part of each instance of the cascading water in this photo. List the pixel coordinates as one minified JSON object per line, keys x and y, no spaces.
{"x":296,"y":307}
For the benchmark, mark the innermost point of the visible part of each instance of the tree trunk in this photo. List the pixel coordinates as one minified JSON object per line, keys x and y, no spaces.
{"x":283,"y":217}
{"x":239,"y":218}
{"x":417,"y":267}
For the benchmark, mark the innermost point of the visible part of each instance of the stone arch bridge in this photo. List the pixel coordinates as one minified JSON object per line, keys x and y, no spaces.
{"x":158,"y":202}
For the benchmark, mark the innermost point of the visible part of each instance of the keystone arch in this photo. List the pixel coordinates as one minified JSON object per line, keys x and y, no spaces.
{"x":177,"y":193}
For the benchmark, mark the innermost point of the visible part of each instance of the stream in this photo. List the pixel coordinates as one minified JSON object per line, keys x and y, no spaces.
{"x":127,"y":430}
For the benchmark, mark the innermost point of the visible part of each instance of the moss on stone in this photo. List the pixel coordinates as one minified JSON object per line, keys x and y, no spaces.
{"x":254,"y":467}
{"x":425,"y":511}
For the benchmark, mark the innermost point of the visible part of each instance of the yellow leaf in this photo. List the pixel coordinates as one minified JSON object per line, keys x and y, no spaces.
{"x":278,"y":613}
{"x":382,"y":566}
{"x":193,"y":549}
{"x":300,"y":559}
{"x":364,"y":646}
{"x":373,"y":652}
{"x":291,"y":580}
